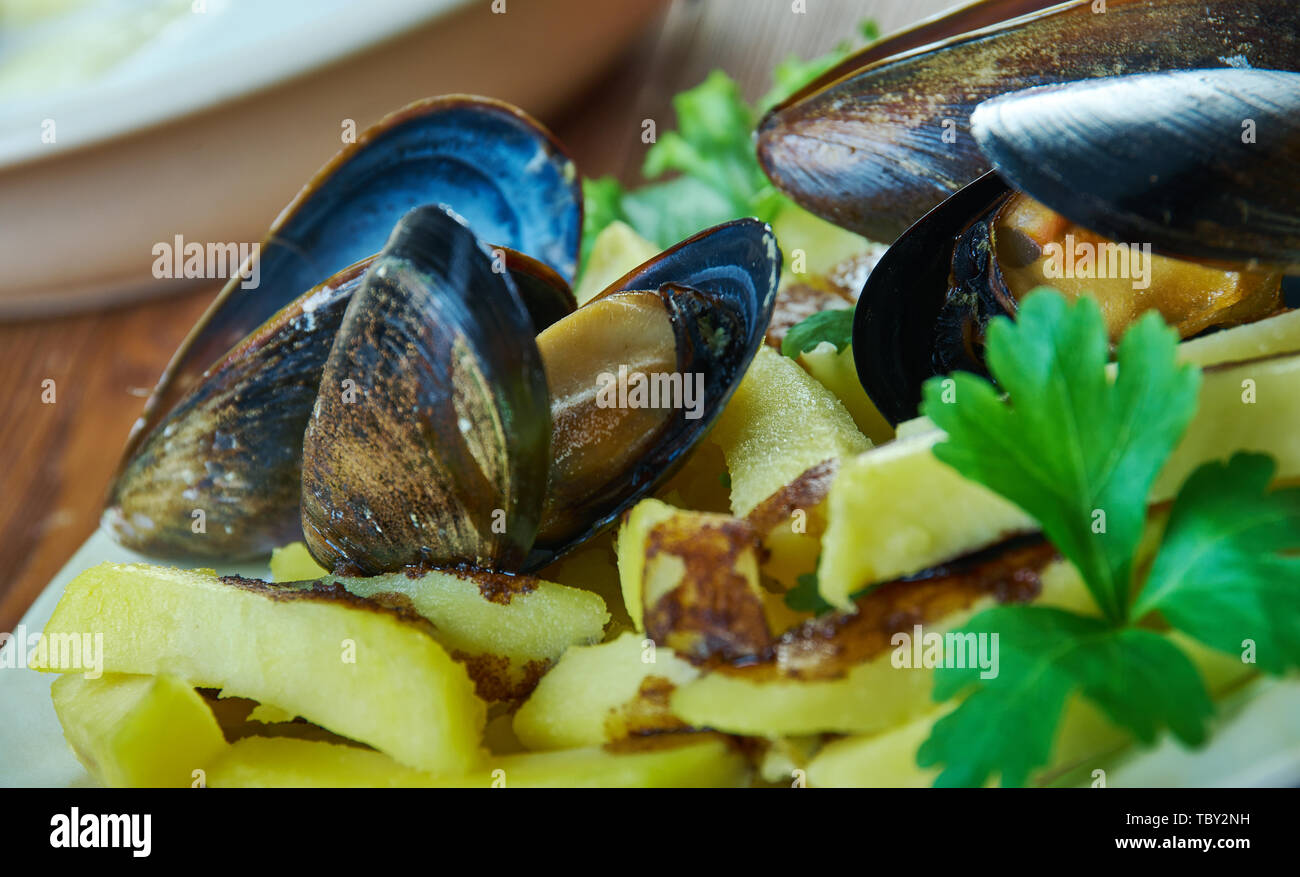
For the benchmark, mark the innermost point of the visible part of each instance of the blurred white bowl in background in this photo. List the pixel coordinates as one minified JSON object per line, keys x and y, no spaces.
{"x":125,"y":123}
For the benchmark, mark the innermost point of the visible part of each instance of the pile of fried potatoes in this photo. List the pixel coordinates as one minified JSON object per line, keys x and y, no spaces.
{"x":664,"y":654}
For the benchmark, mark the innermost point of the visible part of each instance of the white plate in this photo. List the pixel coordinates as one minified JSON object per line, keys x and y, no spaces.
{"x":32,"y":750}
{"x":152,"y":60}
{"x":1256,"y":741}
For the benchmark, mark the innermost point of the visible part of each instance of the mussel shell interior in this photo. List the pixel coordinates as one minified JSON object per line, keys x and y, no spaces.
{"x":897,"y":320}
{"x":546,"y":295}
{"x":706,"y":354}
{"x":614,"y":370}
{"x":720,"y":287}
{"x":737,"y":262}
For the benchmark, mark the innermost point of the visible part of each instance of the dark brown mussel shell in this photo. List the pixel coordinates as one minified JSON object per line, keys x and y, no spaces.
{"x":429,"y":441}
{"x":546,"y":295}
{"x":220,"y":477}
{"x":232,"y":447}
{"x":1201,"y":164}
{"x":885,"y":137}
{"x":222,"y":433}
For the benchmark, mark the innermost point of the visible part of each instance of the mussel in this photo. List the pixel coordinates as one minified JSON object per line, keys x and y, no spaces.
{"x":440,"y":403}
{"x":431,"y":413}
{"x":467,"y":441}
{"x":211,"y":468}
{"x":1169,"y":175}
{"x":1125,"y":131}
{"x":885,"y":136}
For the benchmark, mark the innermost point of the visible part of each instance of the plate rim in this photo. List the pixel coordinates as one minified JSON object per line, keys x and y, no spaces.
{"x":167,"y":95}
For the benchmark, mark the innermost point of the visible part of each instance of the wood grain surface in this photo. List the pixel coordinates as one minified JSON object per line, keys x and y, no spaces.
{"x":56,"y":458}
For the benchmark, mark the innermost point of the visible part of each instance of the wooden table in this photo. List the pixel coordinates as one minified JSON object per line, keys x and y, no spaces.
{"x":57,"y":456}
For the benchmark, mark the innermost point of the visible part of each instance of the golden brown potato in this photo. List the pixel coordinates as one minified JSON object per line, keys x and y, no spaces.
{"x":367,"y":672}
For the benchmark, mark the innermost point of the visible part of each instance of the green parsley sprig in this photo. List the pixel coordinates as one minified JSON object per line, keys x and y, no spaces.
{"x":834,"y":325}
{"x":712,"y":172}
{"x":1079,"y":453}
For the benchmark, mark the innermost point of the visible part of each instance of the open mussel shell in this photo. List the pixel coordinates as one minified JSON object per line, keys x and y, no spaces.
{"x":429,"y":442}
{"x":487,"y":160}
{"x":875,"y":146}
{"x":221,"y":477}
{"x":897,"y":331}
{"x":1200,"y":164}
{"x":221,"y":435}
{"x":231,"y":448}
{"x":690,"y":322}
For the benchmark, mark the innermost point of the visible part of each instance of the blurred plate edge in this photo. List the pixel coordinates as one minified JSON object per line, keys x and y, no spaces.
{"x":80,"y":225}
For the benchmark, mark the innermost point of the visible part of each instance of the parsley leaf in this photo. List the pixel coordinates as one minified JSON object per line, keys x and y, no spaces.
{"x":835,"y":326}
{"x":1071,"y":448}
{"x":713,"y":143}
{"x":602,"y":203}
{"x":1140,"y":679}
{"x":1228,"y":568}
{"x":672,"y":211}
{"x":794,"y":73}
{"x":1078,"y":452}
{"x":805,"y":596}
{"x":718,"y":177}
